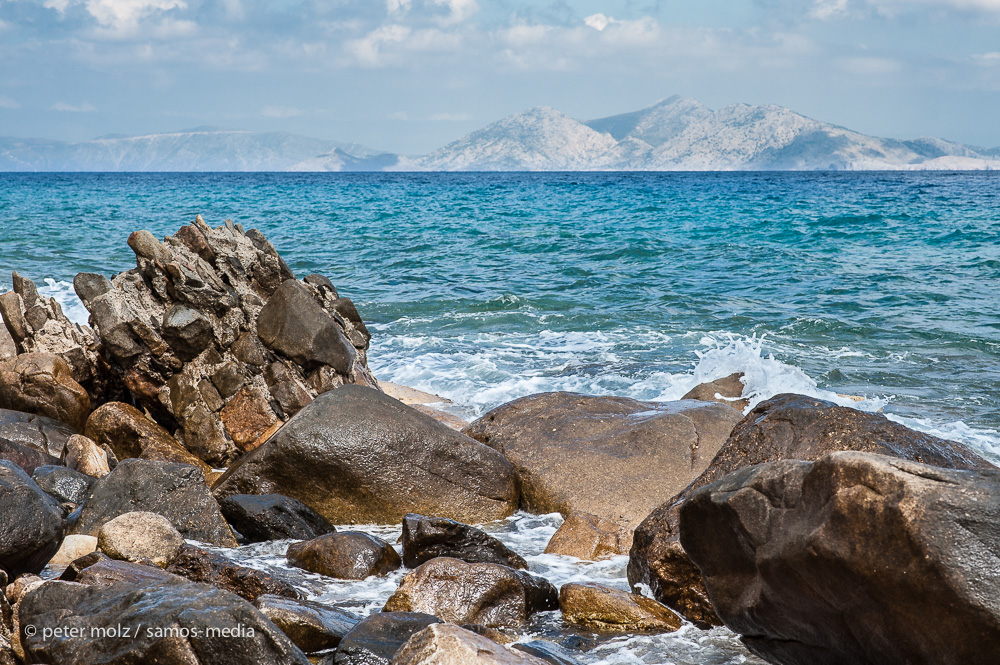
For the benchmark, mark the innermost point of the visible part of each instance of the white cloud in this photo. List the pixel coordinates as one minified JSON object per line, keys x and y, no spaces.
{"x":597,"y":21}
{"x":280,"y":112}
{"x":833,"y":9}
{"x":398,"y":7}
{"x":459,"y":11}
{"x":451,"y":117}
{"x":59,"y":5}
{"x":8,"y":103}
{"x":85,"y":107}
{"x":124,"y":15}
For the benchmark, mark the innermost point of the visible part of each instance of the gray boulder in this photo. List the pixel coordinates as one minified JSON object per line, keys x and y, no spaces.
{"x":31,"y":523}
{"x":311,"y":626}
{"x":63,"y":484}
{"x":377,"y":638}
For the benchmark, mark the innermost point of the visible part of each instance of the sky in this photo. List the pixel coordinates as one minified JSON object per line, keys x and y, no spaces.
{"x":409,"y":76}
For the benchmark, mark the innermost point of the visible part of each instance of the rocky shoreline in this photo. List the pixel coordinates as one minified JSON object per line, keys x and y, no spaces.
{"x":217,"y":400}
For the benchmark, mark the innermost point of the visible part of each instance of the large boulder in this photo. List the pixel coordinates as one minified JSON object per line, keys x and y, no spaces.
{"x":347,"y":555}
{"x":312,"y":626}
{"x":43,"y":383}
{"x":487,"y":594}
{"x":784,"y":427}
{"x":445,"y":644}
{"x":167,"y":622}
{"x":613,"y":457}
{"x":176,"y":491}
{"x":853,"y":558}
{"x":263,"y":517}
{"x":182,"y":330}
{"x":358,"y":456}
{"x":31,"y":523}
{"x":377,"y":638}
{"x":425,"y":538}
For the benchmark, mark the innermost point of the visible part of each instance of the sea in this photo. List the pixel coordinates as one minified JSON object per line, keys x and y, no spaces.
{"x":879,"y":291}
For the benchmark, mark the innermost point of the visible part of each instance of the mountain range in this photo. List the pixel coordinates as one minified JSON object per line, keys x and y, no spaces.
{"x":676,"y":134}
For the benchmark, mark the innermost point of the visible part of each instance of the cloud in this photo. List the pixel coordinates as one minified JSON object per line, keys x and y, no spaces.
{"x":125,"y":15}
{"x":459,"y":11}
{"x":398,"y":7}
{"x":597,"y":21}
{"x":85,"y":107}
{"x":834,"y":9}
{"x":451,"y":117}
{"x":8,"y":103}
{"x":280,"y":112}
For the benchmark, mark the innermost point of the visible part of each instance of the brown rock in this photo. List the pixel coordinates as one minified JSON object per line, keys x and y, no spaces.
{"x":445,"y":644}
{"x":589,"y":537}
{"x":84,"y":455}
{"x":784,"y":427}
{"x":43,"y":383}
{"x":311,"y":626}
{"x":247,"y":417}
{"x":199,"y":565}
{"x":606,"y":609}
{"x":727,"y":390}
{"x":347,"y":555}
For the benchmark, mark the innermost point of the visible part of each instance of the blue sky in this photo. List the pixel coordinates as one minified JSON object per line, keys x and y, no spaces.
{"x":411,"y":75}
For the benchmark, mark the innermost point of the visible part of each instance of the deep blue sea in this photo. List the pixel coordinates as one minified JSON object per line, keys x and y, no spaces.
{"x":486,"y":287}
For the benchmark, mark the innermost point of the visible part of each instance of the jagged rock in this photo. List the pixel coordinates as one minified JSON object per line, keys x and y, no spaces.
{"x":181,"y":622}
{"x":263,"y":517}
{"x":611,"y":610}
{"x":445,"y":644}
{"x":589,"y":537}
{"x":425,"y":538}
{"x":853,"y":558}
{"x":84,"y":455}
{"x":176,"y":491}
{"x":8,"y":348}
{"x":42,"y":383}
{"x":199,"y":565}
{"x":77,"y":565}
{"x":784,"y":427}
{"x":182,"y":330}
{"x":30,"y":440}
{"x":610,"y":456}
{"x":31,"y":523}
{"x":72,"y":548}
{"x":488,"y":594}
{"x":347,"y":555}
{"x":356,"y":455}
{"x":311,"y":626}
{"x":727,"y":390}
{"x":139,"y":537}
{"x":377,"y":638}
{"x":63,"y":484}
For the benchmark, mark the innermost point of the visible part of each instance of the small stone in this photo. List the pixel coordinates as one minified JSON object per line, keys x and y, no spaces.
{"x":445,"y":644}
{"x":72,"y":548}
{"x":589,"y":537}
{"x":140,"y":537}
{"x":84,"y":455}
{"x":348,"y":555}
{"x":727,"y":390}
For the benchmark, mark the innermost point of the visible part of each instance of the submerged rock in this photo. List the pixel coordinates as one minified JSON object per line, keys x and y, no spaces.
{"x":445,"y":644}
{"x":550,"y":652}
{"x":31,"y":523}
{"x":311,"y":626}
{"x":43,"y":384}
{"x":589,"y":537}
{"x":609,"y":456}
{"x":377,"y":638}
{"x":853,"y":558}
{"x":425,"y":538}
{"x":264,"y":517}
{"x":358,"y":456}
{"x":347,"y":555}
{"x":784,"y":427}
{"x":611,"y":610}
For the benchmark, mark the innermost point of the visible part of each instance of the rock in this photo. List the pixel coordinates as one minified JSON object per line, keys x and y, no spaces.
{"x":609,"y":456}
{"x":589,"y":537}
{"x":784,"y":427}
{"x":8,"y":348}
{"x":182,"y":331}
{"x":425,"y":538}
{"x":550,"y":652}
{"x":176,"y":491}
{"x":611,"y":610}
{"x":31,"y":523}
{"x":264,"y":517}
{"x":43,"y":383}
{"x":30,"y":440}
{"x":84,"y":455}
{"x":72,"y":548}
{"x":140,"y":537}
{"x":852,"y":558}
{"x":77,"y":565}
{"x":199,"y":565}
{"x":376,"y":639}
{"x":130,"y":434}
{"x":444,"y":644}
{"x":181,"y":622}
{"x":348,"y":555}
{"x":107,"y":572}
{"x":310,"y":625}
{"x":485,"y":593}
{"x":424,"y":402}
{"x":727,"y":390}
{"x":63,"y":484}
{"x":358,"y":456}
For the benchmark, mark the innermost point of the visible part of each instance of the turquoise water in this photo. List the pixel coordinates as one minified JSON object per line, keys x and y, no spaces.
{"x":485,"y":287}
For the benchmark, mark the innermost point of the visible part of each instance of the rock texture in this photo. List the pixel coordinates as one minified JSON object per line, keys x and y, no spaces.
{"x":488,"y":594}
{"x":72,"y":548}
{"x":356,"y":455}
{"x":784,"y":427}
{"x":182,"y":328}
{"x":727,"y":390}
{"x":63,"y":484}
{"x":43,"y":384}
{"x":31,"y":523}
{"x":84,"y":455}
{"x":445,"y":644}
{"x":140,"y":537}
{"x":176,"y":491}
{"x":853,"y":558}
{"x":611,"y":610}
{"x":610,"y":456}
{"x":311,"y":626}
{"x":425,"y":538}
{"x":259,"y":518}
{"x":347,"y":555}
{"x":589,"y":537}
{"x":377,"y":638}
{"x":199,"y":565}
{"x":30,"y":440}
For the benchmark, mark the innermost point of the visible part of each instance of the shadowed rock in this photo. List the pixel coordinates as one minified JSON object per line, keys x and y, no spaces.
{"x":264,"y":517}
{"x":31,"y":523}
{"x":425,"y":538}
{"x":199,"y":565}
{"x":376,"y":639}
{"x":311,"y":626}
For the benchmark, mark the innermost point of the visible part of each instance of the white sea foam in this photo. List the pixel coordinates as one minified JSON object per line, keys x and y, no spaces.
{"x":64,"y":294}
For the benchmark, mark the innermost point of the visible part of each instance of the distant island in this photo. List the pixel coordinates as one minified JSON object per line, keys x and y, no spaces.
{"x":676,"y":134}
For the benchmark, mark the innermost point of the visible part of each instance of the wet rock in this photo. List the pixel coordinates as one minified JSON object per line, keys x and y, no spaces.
{"x":852,"y":558}
{"x":589,"y":537}
{"x":199,"y":565}
{"x":107,"y":572}
{"x":181,"y":622}
{"x":358,"y":456}
{"x":485,"y":593}
{"x":31,"y":523}
{"x":264,"y":517}
{"x":784,"y":427}
{"x":311,"y":626}
{"x":72,"y":548}
{"x":609,"y":456}
{"x":550,"y":652}
{"x":77,"y":565}
{"x":63,"y":484}
{"x":43,"y":384}
{"x":176,"y":491}
{"x":611,"y":610}
{"x":444,"y":644}
{"x":347,"y":555}
{"x":84,"y":455}
{"x":425,"y":538}
{"x":140,"y":537}
{"x":182,"y":331}
{"x":376,"y":639}
{"x":727,"y":390}
{"x":31,"y":440}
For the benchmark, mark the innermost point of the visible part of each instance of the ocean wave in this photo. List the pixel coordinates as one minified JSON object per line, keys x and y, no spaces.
{"x":65,"y":295}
